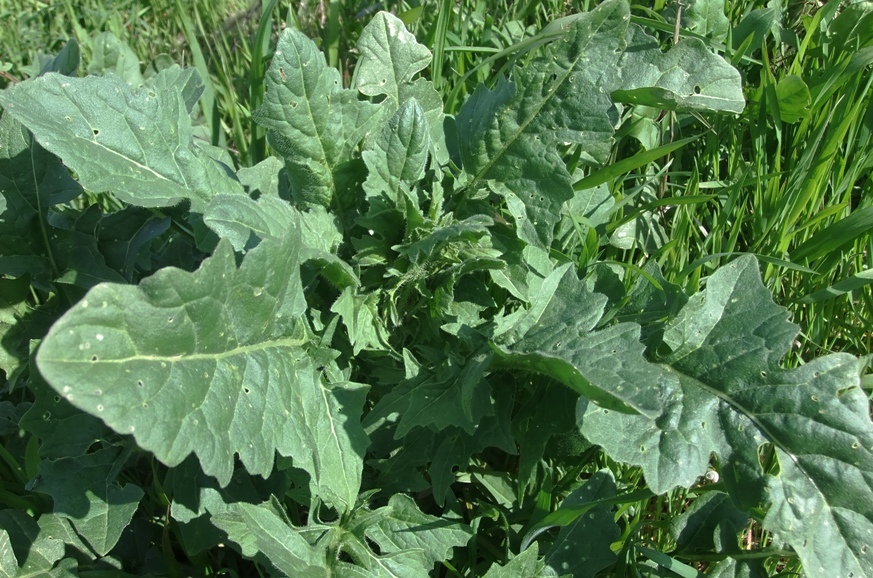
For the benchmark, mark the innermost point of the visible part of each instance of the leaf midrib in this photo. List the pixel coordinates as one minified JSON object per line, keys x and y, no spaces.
{"x":241,"y":350}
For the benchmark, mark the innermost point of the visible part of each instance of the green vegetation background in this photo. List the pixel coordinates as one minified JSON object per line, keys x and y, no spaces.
{"x":787,"y":180}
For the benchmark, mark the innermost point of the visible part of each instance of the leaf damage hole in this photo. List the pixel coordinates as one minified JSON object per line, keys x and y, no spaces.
{"x":139,"y":383}
{"x":95,"y":131}
{"x":93,"y":358}
{"x":697,"y":89}
{"x":47,"y":415}
{"x":247,"y":390}
{"x":57,"y":399}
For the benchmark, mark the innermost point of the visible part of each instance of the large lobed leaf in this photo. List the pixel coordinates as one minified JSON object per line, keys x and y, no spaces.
{"x":510,"y":133}
{"x":208,"y":362}
{"x":410,"y":542}
{"x":84,"y":490}
{"x":136,"y":144}
{"x":732,"y":399}
{"x":558,"y":339}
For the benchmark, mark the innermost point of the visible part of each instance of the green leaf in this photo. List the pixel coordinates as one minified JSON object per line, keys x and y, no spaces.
{"x":669,"y":563}
{"x":76,"y":250}
{"x":525,"y":565}
{"x":66,"y":62}
{"x":263,"y":536}
{"x":14,"y":326}
{"x":311,"y":120}
{"x":582,"y":547}
{"x":624,"y":166}
{"x":83,"y":489}
{"x":33,"y":551}
{"x":455,"y":447}
{"x":847,"y":285}
{"x":686,"y":77}
{"x":547,"y":413}
{"x":267,"y":178}
{"x":186,"y":80}
{"x":244,"y":221}
{"x":794,"y":99}
{"x":703,"y":17}
{"x":197,"y":497}
{"x":731,"y":568}
{"x":606,"y":366}
{"x":651,"y":297}
{"x":757,"y":24}
{"x":454,"y":393}
{"x":509,"y":134}
{"x":114,"y":56}
{"x":390,"y":59}
{"x":136,"y":144}
{"x":711,"y":524}
{"x":851,"y":29}
{"x":125,"y":237}
{"x":396,"y":160}
{"x":8,"y":563}
{"x":215,"y":367}
{"x":468,"y":230}
{"x":402,"y":526}
{"x":64,"y":430}
{"x":360,"y":316}
{"x":31,"y":181}
{"x":733,"y":398}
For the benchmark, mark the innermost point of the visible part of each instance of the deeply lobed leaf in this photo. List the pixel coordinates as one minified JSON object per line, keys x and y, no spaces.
{"x":213,"y":363}
{"x":732,"y":398}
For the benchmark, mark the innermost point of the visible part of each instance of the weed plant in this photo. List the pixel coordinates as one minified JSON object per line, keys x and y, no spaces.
{"x":787,"y":180}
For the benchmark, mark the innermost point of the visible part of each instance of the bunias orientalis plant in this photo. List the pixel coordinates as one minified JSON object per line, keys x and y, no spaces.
{"x":378,"y":308}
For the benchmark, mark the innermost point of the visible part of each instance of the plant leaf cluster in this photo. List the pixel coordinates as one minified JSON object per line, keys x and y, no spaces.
{"x":356,"y":358}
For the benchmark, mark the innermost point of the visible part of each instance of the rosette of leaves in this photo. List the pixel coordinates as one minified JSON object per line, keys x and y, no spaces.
{"x":360,"y":324}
